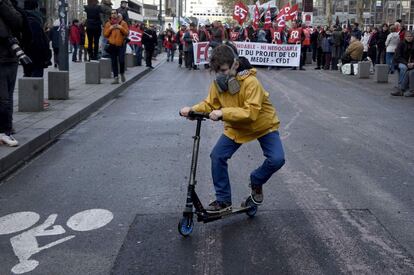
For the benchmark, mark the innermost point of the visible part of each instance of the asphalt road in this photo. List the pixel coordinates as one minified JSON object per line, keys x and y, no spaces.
{"x":107,"y":196}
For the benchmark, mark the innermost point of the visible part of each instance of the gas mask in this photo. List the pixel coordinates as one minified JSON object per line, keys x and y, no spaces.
{"x":228,"y":82}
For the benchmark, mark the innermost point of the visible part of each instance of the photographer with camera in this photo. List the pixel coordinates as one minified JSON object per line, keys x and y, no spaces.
{"x":11,"y":22}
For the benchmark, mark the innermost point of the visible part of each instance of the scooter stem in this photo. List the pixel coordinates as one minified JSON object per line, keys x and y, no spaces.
{"x":194,"y":160}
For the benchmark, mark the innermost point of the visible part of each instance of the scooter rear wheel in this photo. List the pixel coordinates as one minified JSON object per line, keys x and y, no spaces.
{"x":185,"y":226}
{"x":253,"y":207}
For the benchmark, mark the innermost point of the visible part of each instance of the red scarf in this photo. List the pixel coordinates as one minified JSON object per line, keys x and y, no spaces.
{"x":114,"y":21}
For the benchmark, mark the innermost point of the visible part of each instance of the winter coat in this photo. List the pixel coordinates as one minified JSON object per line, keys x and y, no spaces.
{"x":355,"y":50}
{"x":124,"y":13}
{"x":169,"y":42}
{"x":149,"y":39}
{"x":93,"y":16}
{"x":248,"y":114}
{"x":261,"y":36}
{"x":393,"y":39}
{"x":327,"y":44}
{"x":74,"y":35}
{"x":357,"y":33}
{"x":365,"y":41}
{"x":381,"y":38}
{"x":11,"y":24}
{"x":54,"y":37}
{"x":116,"y":36}
{"x":39,"y":50}
{"x":337,"y":38}
{"x":404,"y":53}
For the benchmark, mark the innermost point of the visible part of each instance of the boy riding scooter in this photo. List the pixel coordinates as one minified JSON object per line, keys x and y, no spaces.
{"x":238,"y":98}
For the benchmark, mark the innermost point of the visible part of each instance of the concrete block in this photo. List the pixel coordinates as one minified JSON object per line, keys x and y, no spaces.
{"x":92,"y":72}
{"x":381,"y":73}
{"x":129,"y":60}
{"x":364,"y":69}
{"x":105,"y":67}
{"x":308,"y":58}
{"x":58,"y":85}
{"x":31,"y":94}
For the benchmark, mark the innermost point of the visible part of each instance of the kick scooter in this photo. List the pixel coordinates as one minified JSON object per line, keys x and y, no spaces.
{"x":193,"y":204}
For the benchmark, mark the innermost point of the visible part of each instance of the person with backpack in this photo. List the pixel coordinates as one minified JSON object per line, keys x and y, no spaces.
{"x":39,"y":49}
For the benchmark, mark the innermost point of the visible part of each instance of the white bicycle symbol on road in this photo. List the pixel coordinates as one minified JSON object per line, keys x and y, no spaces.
{"x":25,"y":244}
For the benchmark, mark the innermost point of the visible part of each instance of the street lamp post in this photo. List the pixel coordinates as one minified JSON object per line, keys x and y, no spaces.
{"x":63,"y":36}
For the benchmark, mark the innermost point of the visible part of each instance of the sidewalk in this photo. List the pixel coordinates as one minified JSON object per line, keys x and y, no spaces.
{"x":35,"y":131}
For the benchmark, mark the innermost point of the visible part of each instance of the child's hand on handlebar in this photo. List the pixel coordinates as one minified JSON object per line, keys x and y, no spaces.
{"x":216,"y":115}
{"x":184,"y":111}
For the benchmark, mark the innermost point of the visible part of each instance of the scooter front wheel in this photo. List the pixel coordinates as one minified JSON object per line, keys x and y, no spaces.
{"x":185,"y":226}
{"x":252,"y":207}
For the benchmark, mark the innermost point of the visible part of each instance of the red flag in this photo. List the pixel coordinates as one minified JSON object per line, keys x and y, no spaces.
{"x":240,"y":12}
{"x":256,"y":18}
{"x":293,"y":13}
{"x":268,"y":19}
{"x":281,"y":16}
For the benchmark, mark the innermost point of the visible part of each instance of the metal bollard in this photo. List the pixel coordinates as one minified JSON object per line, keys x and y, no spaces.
{"x":364,"y":69}
{"x":129,"y":60}
{"x":381,"y":73}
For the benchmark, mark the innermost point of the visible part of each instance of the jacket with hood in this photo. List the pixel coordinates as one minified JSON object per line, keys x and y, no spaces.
{"x":116,"y":36}
{"x":393,"y":39}
{"x":404,"y":53}
{"x":248,"y":114}
{"x":11,"y":23}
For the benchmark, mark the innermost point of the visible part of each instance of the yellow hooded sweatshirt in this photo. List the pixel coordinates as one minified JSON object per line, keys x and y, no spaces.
{"x":248,"y":114}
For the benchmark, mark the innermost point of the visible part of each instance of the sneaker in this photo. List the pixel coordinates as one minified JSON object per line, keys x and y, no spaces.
{"x":217,"y":207}
{"x":123,"y":78}
{"x":116,"y":80}
{"x":409,"y":94}
{"x":257,"y":194}
{"x":8,"y":140}
{"x":399,"y":92}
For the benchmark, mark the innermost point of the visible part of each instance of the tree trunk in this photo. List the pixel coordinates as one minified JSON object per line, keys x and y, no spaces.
{"x":328,"y":10}
{"x":359,"y":12}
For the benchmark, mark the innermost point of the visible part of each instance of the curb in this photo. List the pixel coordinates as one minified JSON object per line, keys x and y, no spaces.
{"x":23,"y":153}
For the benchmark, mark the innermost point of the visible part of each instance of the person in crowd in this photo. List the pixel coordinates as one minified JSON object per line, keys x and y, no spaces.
{"x":320,"y":61}
{"x":276,"y":34}
{"x":327,"y":49}
{"x":75,"y":38}
{"x":11,"y":25}
{"x":356,"y":32}
{"x":337,"y":45}
{"x":306,"y":42}
{"x":347,"y":38}
{"x":116,"y":31}
{"x":190,"y":37}
{"x":404,"y":58}
{"x":261,"y":36}
{"x":217,"y":35}
{"x":250,"y":33}
{"x":82,"y":33}
{"x":181,"y":45}
{"x":138,"y":45}
{"x":170,"y":45}
{"x":39,"y":49}
{"x":106,"y":7}
{"x":93,"y":27}
{"x":401,"y":29}
{"x":393,"y":39}
{"x":248,"y":115}
{"x":296,"y":37}
{"x":354,"y":52}
{"x":372,"y":46}
{"x":149,"y":40}
{"x":381,"y":48}
{"x":123,"y":10}
{"x":314,"y":42}
{"x":365,"y":41}
{"x":54,"y":38}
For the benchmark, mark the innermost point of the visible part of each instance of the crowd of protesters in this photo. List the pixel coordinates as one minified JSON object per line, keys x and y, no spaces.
{"x":329,"y":46}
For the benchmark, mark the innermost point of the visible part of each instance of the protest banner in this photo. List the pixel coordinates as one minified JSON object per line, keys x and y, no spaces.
{"x":201,"y":53}
{"x":284,"y":55}
{"x":135,"y":35}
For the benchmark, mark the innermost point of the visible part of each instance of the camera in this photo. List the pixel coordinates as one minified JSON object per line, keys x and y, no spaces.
{"x":14,"y":45}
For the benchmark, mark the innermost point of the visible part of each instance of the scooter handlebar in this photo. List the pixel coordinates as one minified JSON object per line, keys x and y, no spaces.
{"x":196,"y":115}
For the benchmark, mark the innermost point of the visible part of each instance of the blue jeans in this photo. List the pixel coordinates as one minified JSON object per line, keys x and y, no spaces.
{"x":224,"y":150}
{"x":75,"y":51}
{"x":170,"y":54}
{"x":389,"y":57}
{"x":401,"y":78}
